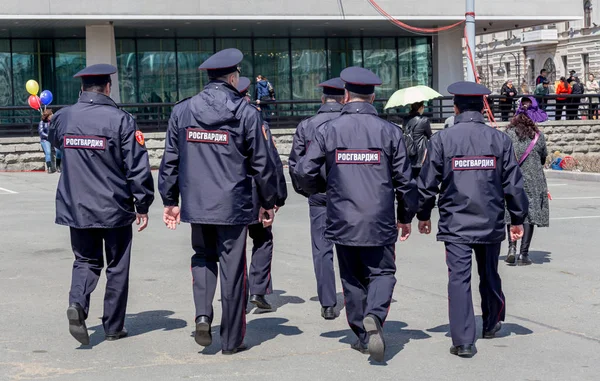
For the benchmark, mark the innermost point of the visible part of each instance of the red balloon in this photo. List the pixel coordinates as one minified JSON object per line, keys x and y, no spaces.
{"x":34,"y":102}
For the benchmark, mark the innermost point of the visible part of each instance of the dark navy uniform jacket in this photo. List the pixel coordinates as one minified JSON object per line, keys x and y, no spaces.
{"x":215,"y":147}
{"x":475,"y":170}
{"x":281,"y":183}
{"x":304,"y":135}
{"x":106,"y":174}
{"x":367,"y":169}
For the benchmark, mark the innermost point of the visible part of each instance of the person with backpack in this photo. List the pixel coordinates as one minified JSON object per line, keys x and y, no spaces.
{"x":417,"y":132}
{"x":264,"y":93}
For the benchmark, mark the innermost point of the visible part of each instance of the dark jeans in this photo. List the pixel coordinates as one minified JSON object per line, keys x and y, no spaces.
{"x":572,"y":108}
{"x":506,"y":108}
{"x":561,"y":104}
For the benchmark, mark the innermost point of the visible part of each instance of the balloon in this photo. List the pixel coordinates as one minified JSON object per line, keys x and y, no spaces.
{"x":46,"y":97}
{"x":32,"y":87}
{"x":34,"y":102}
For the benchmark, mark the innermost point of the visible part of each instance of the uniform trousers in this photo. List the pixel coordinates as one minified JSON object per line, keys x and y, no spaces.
{"x":322,"y":253}
{"x":368,"y":280}
{"x":259,"y":277}
{"x":221,"y":248}
{"x":460,"y":302}
{"x":87,"y":246}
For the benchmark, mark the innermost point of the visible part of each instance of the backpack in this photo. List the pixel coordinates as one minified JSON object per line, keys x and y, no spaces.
{"x":411,"y":146}
{"x":271,"y":90}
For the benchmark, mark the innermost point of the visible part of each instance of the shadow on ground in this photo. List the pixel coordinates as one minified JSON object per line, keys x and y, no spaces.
{"x":340,"y":303}
{"x":395,"y":334}
{"x":139,"y":324}
{"x":277,"y":299}
{"x":537,"y":257}
{"x":508,"y":329}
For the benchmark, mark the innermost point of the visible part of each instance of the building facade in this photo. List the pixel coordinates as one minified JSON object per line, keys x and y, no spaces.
{"x":520,"y":54}
{"x":158,"y":45}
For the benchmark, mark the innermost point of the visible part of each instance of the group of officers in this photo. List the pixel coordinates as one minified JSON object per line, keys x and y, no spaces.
{"x":221,"y":173}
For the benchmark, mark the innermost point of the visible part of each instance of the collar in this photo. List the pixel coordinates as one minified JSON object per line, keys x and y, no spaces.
{"x":93,"y":97}
{"x":224,"y":86}
{"x":359,"y":108}
{"x":330,"y":107}
{"x":469,"y":116}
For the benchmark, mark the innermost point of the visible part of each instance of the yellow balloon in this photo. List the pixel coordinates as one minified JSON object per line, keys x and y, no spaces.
{"x":32,"y":87}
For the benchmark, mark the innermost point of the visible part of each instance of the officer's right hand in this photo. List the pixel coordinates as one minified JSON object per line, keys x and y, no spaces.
{"x":266,"y":217}
{"x":171,"y":217}
{"x":425,"y":227}
{"x":143,"y":220}
{"x":405,"y":230}
{"x":516,"y":232}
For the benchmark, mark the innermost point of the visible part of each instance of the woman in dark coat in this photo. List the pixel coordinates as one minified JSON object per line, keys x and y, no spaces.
{"x":523,"y":131}
{"x":508,"y":93}
{"x":418,"y":128}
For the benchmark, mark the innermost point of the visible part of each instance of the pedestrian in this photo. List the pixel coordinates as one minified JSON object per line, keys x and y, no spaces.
{"x":529,"y":144}
{"x":592,"y":87}
{"x":562,"y":103}
{"x":260,"y":282}
{"x":474,"y":170}
{"x":508,"y":93}
{"x":417,"y":132}
{"x":367,"y":168}
{"x":46,"y":145}
{"x":264,"y":93}
{"x":541,"y":78}
{"x":572,"y":76}
{"x":577,"y":88}
{"x":541,"y":92}
{"x":105,"y":186}
{"x":322,"y":250}
{"x":215,"y":148}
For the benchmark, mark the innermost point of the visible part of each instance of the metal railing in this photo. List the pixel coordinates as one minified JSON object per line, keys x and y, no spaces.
{"x":153,"y":117}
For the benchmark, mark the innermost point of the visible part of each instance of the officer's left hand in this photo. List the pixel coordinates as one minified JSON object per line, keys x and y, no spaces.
{"x":143,"y":220}
{"x":405,"y":230}
{"x":266,"y":217}
{"x":425,"y":227}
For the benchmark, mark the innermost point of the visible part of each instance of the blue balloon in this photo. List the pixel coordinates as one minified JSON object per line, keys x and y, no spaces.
{"x":46,"y":97}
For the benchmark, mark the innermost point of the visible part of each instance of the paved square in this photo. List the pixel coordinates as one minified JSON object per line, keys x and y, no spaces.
{"x":551,"y":333}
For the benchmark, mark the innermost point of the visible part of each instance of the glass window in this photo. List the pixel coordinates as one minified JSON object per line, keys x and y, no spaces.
{"x":272,"y":60}
{"x":380,"y":57}
{"x":309,"y":68}
{"x":190,"y":54}
{"x":69,"y":58}
{"x":245,"y":46}
{"x":414,"y":56}
{"x":343,"y":52}
{"x":25,"y":67}
{"x":127,"y":65}
{"x":6,"y":96}
{"x":157,"y":70}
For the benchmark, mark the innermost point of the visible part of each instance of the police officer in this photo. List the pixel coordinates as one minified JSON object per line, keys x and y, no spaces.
{"x":367,"y":168}
{"x":475,"y":170}
{"x":105,"y":186}
{"x":260,"y":282}
{"x":215,"y":147}
{"x":322,"y":250}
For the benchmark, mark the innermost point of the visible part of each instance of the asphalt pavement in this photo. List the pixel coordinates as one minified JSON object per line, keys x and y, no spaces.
{"x":551,"y":330}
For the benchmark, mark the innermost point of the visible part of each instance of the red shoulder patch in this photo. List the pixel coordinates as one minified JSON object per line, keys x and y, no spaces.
{"x":139,"y":137}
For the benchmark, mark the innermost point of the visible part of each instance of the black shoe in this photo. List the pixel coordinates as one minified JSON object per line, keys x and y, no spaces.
{"x":260,"y":302}
{"x":328,"y":313}
{"x":523,"y":260}
{"x":58,"y":163}
{"x":49,"y":167}
{"x":203,"y":335}
{"x":116,"y":336}
{"x":77,"y":326}
{"x":492,"y":333}
{"x":376,"y":342}
{"x":362,"y":348}
{"x":241,"y":348}
{"x":462,"y":350}
{"x":512,"y":253}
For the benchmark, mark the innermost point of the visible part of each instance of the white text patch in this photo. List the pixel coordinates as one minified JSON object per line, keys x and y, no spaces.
{"x":85,"y":142}
{"x":357,"y":157}
{"x":197,"y":135}
{"x":473,"y":163}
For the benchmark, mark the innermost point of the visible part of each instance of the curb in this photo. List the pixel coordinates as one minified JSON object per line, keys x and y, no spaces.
{"x":568,"y":175}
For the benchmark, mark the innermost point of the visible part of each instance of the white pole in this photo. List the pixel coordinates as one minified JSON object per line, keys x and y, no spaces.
{"x":470,"y":25}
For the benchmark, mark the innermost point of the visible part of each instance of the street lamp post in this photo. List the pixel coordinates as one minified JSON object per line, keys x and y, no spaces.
{"x":501,"y":70}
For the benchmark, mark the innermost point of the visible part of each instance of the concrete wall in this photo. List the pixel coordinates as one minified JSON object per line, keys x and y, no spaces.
{"x":574,"y":137}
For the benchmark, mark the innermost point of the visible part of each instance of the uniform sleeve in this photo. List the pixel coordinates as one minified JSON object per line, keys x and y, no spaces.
{"x":53,"y":131}
{"x":262,"y":165}
{"x":137,"y":167}
{"x":168,"y":175}
{"x":404,"y":186}
{"x":430,"y":179}
{"x":512,"y":183}
{"x":281,"y":183}
{"x":298,"y":150}
{"x":309,"y":168}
